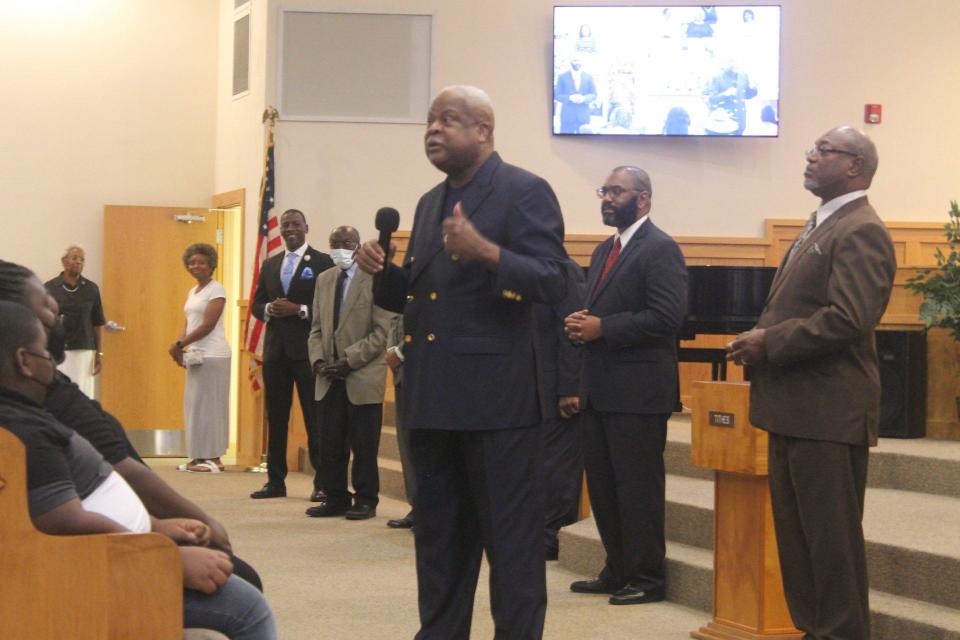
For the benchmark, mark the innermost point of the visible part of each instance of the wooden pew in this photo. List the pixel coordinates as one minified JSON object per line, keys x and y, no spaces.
{"x":105,"y":586}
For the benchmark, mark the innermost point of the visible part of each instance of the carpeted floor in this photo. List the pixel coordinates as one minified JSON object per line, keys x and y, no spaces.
{"x":332,"y":578}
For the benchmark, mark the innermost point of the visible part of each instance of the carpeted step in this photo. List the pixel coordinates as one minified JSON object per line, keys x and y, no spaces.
{"x":689,"y":569}
{"x":388,"y":443}
{"x":923,"y":465}
{"x":391,"y":479}
{"x":690,"y":582}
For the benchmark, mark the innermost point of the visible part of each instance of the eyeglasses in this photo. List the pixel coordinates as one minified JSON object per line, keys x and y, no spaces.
{"x":822,"y":151}
{"x":615,"y":191}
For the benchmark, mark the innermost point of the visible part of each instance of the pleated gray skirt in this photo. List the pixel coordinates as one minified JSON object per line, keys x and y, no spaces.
{"x":206,"y":408}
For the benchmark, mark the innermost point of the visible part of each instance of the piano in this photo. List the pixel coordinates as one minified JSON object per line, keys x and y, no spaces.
{"x":722,"y":300}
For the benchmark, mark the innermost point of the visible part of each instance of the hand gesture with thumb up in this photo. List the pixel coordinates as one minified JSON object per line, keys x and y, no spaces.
{"x":462,"y":240}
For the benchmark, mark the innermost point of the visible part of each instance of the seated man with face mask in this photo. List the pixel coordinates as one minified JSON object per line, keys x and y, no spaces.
{"x":67,"y":403}
{"x":348,"y":340}
{"x":72,"y":490}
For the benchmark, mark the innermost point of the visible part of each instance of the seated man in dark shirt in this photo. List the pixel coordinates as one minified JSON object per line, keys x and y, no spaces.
{"x":72,"y":490}
{"x":75,"y":410}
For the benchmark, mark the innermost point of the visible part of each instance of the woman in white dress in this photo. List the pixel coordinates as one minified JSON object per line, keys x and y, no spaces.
{"x":203,"y":351}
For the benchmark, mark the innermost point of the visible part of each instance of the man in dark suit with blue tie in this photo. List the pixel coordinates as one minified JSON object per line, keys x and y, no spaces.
{"x":636,"y":302}
{"x":486,"y":244}
{"x":284,"y":300}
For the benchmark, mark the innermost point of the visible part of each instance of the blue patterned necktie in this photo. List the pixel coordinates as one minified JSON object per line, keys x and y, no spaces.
{"x":286,"y":274}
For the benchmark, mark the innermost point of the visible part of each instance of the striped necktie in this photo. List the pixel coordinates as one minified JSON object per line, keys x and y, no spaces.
{"x":804,"y":234}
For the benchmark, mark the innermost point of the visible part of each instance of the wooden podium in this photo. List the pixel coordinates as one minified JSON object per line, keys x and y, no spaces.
{"x":748,"y":602}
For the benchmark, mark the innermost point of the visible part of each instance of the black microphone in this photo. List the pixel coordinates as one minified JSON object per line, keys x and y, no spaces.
{"x":386,"y":222}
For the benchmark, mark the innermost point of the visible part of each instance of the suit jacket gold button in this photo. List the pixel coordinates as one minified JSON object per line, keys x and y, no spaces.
{"x":408,"y":338}
{"x":433,"y":295}
{"x":431,"y":337}
{"x":455,"y":257}
{"x":410,"y":298}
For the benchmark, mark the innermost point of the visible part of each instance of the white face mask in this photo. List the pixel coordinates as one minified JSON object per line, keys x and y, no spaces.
{"x":343,"y":258}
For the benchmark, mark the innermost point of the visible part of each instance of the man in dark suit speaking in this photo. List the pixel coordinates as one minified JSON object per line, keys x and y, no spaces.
{"x":486,"y":244}
{"x":636,"y":301}
{"x":815,"y":386}
{"x":284,"y":300}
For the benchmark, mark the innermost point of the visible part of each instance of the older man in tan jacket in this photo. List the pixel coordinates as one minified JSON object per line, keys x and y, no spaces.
{"x":348,"y":337}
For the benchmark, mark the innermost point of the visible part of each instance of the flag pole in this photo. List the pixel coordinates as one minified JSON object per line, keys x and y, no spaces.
{"x":254,"y":329}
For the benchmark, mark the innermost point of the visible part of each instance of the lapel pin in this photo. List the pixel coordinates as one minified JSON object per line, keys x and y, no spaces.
{"x":306,"y":274}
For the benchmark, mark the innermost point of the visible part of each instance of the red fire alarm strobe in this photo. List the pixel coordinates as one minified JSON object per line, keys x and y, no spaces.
{"x":873,"y":113}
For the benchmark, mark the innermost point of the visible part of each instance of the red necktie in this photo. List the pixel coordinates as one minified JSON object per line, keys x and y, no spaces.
{"x":610,"y":260}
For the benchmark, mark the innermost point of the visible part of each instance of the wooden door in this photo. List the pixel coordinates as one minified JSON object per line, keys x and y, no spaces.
{"x":144,"y":288}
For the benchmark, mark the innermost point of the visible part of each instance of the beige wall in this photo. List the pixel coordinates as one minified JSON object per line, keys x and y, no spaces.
{"x":116,"y":101}
{"x":104,"y":101}
{"x":240,"y":135}
{"x":837,"y":56}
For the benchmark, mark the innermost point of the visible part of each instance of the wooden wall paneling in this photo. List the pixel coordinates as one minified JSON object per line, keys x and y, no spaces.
{"x":943,"y":385}
{"x":914,"y":243}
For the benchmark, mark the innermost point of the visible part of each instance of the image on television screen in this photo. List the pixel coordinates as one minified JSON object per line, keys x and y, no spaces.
{"x":701,"y":70}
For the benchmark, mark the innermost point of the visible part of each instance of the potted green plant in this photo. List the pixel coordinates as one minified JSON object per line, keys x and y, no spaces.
{"x":940,"y":285}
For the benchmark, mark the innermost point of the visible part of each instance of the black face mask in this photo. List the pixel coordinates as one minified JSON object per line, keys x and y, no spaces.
{"x":57,"y":341}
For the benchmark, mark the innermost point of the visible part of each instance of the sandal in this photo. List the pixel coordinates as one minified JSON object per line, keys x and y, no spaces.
{"x":183,"y":467}
{"x":207,"y":466}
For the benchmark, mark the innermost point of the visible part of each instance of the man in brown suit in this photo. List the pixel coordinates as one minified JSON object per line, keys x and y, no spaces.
{"x":816,"y":387}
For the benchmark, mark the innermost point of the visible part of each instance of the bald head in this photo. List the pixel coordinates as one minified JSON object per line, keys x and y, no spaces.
{"x":459,"y":135}
{"x":344,"y":237}
{"x":639,"y":177}
{"x":858,"y":142}
{"x":841,"y":161}
{"x":474,"y":100}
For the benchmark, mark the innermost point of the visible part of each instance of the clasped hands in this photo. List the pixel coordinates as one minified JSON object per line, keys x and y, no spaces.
{"x":183,"y":530}
{"x":748,"y":348}
{"x":204,"y":570}
{"x":336,"y":371}
{"x":582,"y":327}
{"x":282,"y":308}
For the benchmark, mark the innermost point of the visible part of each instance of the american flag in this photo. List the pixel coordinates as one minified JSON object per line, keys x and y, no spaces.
{"x":269,"y":244}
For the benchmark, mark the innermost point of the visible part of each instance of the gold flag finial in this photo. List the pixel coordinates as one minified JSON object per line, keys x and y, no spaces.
{"x":271,"y":114}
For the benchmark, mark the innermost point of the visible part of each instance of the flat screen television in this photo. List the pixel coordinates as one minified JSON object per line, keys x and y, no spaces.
{"x":703,"y":70}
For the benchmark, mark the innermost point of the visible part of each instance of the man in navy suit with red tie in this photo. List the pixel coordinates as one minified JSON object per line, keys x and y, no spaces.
{"x":636,"y":302}
{"x":284,"y":300}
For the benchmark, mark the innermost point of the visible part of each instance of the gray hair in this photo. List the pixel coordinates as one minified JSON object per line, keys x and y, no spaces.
{"x":72,"y":247}
{"x":861,"y":144}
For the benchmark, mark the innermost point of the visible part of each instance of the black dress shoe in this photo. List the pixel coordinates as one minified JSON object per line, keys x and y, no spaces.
{"x":326,"y":510}
{"x":636,"y":594}
{"x":406,"y":522}
{"x":597,"y":586}
{"x":269,"y":491}
{"x":318,"y":496}
{"x":361,"y":512}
